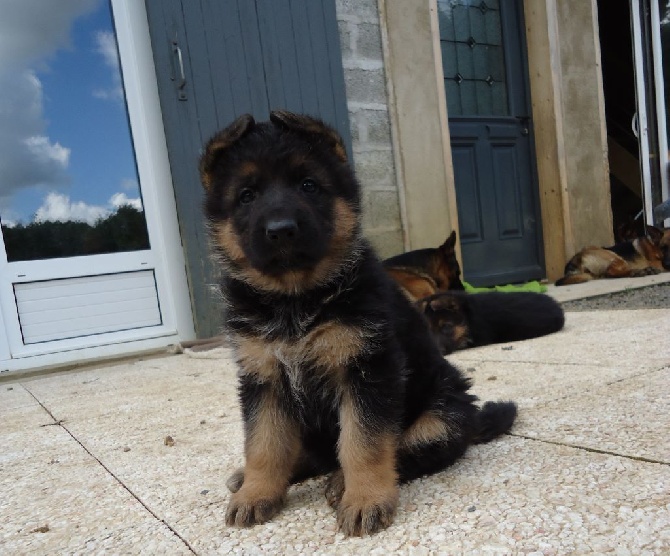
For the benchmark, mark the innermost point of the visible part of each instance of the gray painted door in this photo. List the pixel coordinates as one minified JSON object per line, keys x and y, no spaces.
{"x":486,"y":81}
{"x":218,"y":59}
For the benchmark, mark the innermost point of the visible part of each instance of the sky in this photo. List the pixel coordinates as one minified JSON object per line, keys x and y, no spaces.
{"x":65,"y":146}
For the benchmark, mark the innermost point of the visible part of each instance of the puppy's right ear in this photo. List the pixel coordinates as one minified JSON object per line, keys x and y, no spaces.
{"x":220,"y":142}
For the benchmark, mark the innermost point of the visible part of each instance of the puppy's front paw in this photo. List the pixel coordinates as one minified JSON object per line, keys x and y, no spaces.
{"x":357,"y":516}
{"x":245,"y":511}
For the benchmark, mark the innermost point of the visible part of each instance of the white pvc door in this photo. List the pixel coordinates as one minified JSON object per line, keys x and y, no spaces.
{"x":90,"y":255}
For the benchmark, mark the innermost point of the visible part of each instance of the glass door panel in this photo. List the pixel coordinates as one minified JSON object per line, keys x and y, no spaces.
{"x":68,"y":179}
{"x":473,"y":57}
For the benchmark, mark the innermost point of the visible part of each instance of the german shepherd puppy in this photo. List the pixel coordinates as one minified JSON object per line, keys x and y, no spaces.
{"x":460,"y":320}
{"x":638,"y":257}
{"x":423,"y":272}
{"x":337,"y":371}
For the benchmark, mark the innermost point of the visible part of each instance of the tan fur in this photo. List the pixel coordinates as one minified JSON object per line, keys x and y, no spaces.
{"x":295,"y":281}
{"x":329,"y":347}
{"x":426,"y":429}
{"x":651,"y":255}
{"x":415,"y":285}
{"x":272,"y":448}
{"x":368,"y":466}
{"x":228,"y":240}
{"x":461,"y":334}
{"x":247,"y":169}
{"x":596,"y":260}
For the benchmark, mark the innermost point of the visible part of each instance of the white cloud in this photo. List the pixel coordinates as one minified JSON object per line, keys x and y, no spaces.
{"x":27,"y":156}
{"x":7,"y":223}
{"x":31,"y":30}
{"x":57,"y":207}
{"x":106,"y":47}
{"x":120,"y":199}
{"x":45,"y":152}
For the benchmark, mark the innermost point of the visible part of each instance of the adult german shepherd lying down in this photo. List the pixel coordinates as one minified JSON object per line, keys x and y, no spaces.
{"x":642,"y":256}
{"x":424,"y":272}
{"x":337,"y":371}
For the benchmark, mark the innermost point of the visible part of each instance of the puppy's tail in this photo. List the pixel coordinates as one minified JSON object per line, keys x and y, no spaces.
{"x":494,"y":419}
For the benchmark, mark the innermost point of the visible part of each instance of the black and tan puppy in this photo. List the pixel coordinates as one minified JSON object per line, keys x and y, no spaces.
{"x":642,"y":256}
{"x":423,"y":272}
{"x":460,"y":320}
{"x":337,"y":371}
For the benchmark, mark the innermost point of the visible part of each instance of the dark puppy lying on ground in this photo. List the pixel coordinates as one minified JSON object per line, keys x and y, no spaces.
{"x":459,"y":320}
{"x":338,"y":372}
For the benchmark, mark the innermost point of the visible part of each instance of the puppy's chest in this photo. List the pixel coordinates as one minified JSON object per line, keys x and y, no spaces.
{"x":322,"y":354}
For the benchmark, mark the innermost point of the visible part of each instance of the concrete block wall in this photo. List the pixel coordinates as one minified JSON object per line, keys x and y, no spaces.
{"x":362,"y":58}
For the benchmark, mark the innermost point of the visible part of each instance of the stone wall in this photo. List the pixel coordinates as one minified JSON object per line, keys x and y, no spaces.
{"x":362,"y":58}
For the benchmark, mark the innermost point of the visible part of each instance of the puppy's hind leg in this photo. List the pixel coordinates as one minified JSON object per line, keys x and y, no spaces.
{"x":439,"y":436}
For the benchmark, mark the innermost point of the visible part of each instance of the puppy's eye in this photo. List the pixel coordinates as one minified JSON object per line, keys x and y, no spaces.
{"x":309,"y":186}
{"x":247,"y":196}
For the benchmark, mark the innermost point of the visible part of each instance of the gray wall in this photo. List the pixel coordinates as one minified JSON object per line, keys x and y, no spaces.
{"x":365,"y":82}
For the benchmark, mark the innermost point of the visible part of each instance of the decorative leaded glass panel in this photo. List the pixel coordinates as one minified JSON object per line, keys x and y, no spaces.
{"x":472,"y":57}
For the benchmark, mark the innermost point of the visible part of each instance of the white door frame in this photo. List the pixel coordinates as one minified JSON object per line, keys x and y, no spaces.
{"x":165,"y":257}
{"x":660,"y":108}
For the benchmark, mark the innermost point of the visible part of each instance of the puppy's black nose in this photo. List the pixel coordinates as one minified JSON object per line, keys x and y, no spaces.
{"x":285,"y":229}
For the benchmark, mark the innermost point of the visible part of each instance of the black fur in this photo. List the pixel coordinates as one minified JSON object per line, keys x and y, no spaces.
{"x":255,"y":176}
{"x":459,"y":320}
{"x":626,"y":250}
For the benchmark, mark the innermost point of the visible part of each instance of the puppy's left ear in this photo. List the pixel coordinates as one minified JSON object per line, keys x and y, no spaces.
{"x":222,"y":141}
{"x":654,"y":234}
{"x":313,"y":127}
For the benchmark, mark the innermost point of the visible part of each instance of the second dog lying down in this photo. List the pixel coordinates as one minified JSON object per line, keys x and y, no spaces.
{"x":460,"y":320}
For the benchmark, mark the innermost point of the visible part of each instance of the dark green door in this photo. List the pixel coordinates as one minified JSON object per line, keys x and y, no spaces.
{"x":485,"y":76}
{"x":218,"y":59}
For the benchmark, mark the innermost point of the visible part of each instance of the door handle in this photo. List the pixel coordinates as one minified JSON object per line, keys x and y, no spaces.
{"x":181,"y":81}
{"x":524,"y":122}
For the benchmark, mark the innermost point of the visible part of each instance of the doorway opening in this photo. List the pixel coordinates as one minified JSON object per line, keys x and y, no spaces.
{"x":634,"y":36}
{"x":616,"y":43}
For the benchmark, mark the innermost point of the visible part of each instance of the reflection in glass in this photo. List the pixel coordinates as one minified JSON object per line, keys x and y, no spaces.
{"x":68,"y":179}
{"x":472,"y":57}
